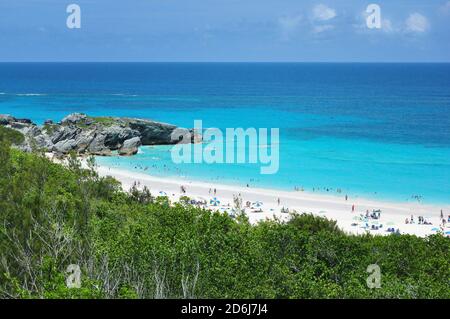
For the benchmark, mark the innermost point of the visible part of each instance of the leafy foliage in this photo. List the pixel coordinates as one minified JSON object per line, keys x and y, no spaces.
{"x":133,"y":245}
{"x":10,"y":135}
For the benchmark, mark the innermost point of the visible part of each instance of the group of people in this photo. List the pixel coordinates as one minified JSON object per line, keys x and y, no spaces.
{"x":376,"y":214}
{"x":327,"y":189}
{"x":421,"y":221}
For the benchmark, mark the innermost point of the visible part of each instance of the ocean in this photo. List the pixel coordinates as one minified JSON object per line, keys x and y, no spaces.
{"x":380,"y":131}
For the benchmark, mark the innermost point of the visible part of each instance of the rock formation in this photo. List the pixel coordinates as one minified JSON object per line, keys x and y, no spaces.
{"x":93,"y":135}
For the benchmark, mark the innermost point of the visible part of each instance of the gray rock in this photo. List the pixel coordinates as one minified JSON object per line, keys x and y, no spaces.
{"x":153,"y":133}
{"x":83,"y":141}
{"x":74,"y":118}
{"x":41,"y":141}
{"x":64,"y":146}
{"x":19,"y":126}
{"x":6,"y":119}
{"x":24,"y":121}
{"x":34,"y":131}
{"x":130,"y":146}
{"x":64,"y":133}
{"x":115,"y":136}
{"x":97,"y":146}
{"x":80,"y":133}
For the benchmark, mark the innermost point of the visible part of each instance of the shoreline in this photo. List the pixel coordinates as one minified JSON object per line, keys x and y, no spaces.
{"x":320,"y":191}
{"x":393,"y":214}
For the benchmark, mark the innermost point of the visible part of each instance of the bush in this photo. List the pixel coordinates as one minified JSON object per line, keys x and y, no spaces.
{"x":131,"y":245}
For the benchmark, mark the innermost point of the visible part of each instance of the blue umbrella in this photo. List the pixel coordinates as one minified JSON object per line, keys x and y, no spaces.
{"x":214,"y":201}
{"x":162,"y":193}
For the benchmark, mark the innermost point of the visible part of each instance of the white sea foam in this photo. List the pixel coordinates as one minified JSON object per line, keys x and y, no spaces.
{"x":123,"y":94}
{"x":30,"y":94}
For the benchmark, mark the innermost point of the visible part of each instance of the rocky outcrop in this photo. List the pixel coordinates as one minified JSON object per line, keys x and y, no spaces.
{"x":83,"y":134}
{"x":130,"y":146}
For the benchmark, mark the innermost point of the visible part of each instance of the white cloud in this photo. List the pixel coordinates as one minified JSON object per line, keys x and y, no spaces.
{"x":417,"y":23}
{"x":386,"y":26}
{"x":323,"y":13}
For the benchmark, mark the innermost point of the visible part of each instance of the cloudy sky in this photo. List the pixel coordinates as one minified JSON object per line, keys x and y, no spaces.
{"x":225,"y":30}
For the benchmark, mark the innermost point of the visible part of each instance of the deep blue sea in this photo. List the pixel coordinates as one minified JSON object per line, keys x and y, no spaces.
{"x":372,"y":130}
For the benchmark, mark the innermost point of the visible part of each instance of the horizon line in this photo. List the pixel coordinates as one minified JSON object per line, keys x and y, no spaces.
{"x":248,"y":62}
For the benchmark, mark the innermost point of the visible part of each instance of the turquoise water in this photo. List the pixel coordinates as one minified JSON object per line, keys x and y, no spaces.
{"x":372,"y":130}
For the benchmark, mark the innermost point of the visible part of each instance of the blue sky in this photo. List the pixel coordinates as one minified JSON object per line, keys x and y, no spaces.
{"x":225,"y":30}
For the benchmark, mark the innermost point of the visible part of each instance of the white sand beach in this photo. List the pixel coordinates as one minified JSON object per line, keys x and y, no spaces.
{"x":392,"y":215}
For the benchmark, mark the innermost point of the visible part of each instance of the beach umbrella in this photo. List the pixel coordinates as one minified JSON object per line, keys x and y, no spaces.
{"x":214,"y":201}
{"x":162,"y":193}
{"x":322,"y":212}
{"x":447,"y":232}
{"x":257,"y":204}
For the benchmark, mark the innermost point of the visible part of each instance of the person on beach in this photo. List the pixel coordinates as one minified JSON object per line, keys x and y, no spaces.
{"x":215,"y":192}
{"x":353,"y":208}
{"x":278,"y":201}
{"x":442,"y":214}
{"x":346,"y":197}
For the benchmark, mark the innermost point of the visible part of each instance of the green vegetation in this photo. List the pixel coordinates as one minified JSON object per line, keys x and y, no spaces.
{"x":133,"y":245}
{"x":11,"y":136}
{"x":86,"y":122}
{"x":104,"y":120}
